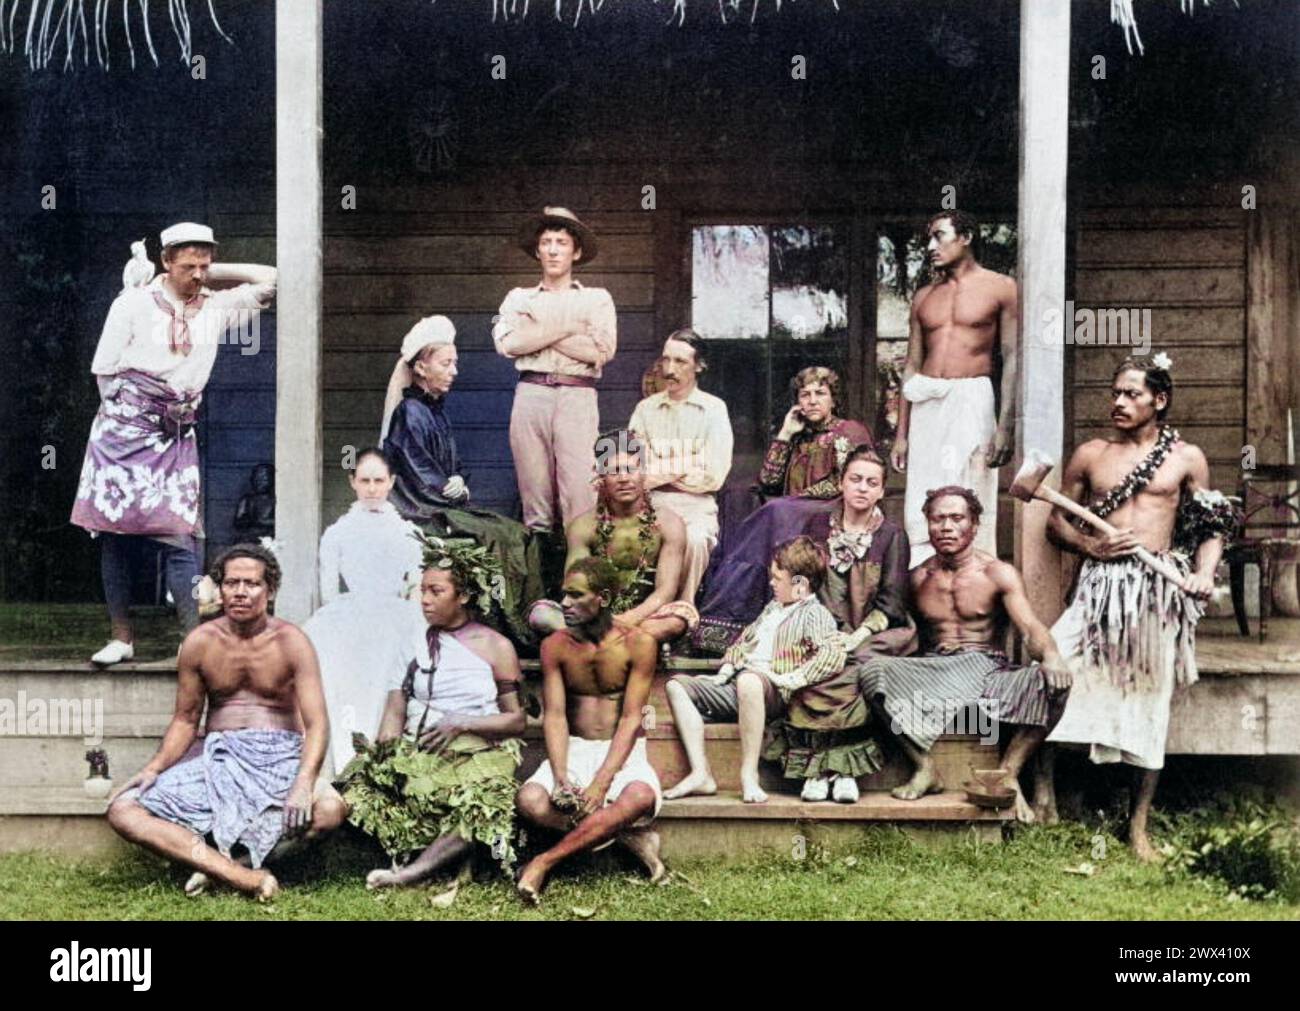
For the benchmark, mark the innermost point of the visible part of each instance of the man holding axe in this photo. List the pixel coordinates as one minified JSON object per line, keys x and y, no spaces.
{"x":1150,"y":543}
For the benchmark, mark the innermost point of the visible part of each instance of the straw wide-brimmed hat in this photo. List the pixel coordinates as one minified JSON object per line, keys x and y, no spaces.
{"x":558,"y":217}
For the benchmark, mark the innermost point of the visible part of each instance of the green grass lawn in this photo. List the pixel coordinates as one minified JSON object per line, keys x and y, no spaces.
{"x":885,"y":876}
{"x":75,"y":631}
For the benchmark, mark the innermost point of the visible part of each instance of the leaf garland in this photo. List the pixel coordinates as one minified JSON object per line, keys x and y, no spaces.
{"x":642,"y":582}
{"x":1140,"y":476}
{"x":475,"y":569}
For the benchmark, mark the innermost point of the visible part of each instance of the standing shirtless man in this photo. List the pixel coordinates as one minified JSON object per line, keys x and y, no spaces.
{"x":253,"y":775}
{"x":597,"y":675}
{"x":947,"y":434}
{"x":962,"y":599}
{"x":1133,"y":632}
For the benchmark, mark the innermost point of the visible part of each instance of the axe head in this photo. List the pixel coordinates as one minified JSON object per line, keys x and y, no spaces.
{"x":1037,"y":466}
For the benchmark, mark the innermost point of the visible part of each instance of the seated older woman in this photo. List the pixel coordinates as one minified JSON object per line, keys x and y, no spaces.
{"x":825,"y":737}
{"x":809,"y":451}
{"x":802,"y":469}
{"x":430,"y":483}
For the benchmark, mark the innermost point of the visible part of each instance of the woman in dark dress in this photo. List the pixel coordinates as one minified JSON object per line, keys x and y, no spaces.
{"x":430,"y":486}
{"x":800,"y":477}
{"x":826,"y":737}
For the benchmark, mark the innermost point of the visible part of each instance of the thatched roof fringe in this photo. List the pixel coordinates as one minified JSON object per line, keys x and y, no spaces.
{"x":41,"y":43}
{"x":1121,"y":13}
{"x":508,"y":9}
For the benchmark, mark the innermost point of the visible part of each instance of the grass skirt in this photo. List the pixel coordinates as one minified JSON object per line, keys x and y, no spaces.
{"x":406,"y":798}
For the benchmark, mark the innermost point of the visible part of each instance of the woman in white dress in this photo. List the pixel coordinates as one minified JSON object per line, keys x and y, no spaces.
{"x":369,"y":565}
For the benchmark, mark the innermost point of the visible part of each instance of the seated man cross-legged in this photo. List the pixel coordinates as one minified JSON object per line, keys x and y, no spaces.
{"x":253,"y":777}
{"x":597,"y":784}
{"x":793,"y":643}
{"x":962,"y":600}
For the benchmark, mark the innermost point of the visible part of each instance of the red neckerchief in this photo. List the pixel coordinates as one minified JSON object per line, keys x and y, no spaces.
{"x":178,"y":332}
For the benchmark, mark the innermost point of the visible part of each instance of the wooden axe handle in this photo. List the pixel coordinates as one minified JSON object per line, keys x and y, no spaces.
{"x":1087,"y":515}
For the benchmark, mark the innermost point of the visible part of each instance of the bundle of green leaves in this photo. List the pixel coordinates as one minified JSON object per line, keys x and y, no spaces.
{"x":406,"y":798}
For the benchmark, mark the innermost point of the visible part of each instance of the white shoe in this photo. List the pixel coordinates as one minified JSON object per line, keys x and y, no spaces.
{"x":815,"y":790}
{"x":845,"y":790}
{"x":115,"y":652}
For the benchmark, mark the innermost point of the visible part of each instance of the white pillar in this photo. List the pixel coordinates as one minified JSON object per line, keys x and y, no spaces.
{"x":1044,"y":141}
{"x":298,"y":307}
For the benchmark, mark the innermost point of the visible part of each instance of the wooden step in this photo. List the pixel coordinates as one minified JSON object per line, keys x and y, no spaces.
{"x":725,"y":825}
{"x":951,"y":805}
{"x":953,"y":754}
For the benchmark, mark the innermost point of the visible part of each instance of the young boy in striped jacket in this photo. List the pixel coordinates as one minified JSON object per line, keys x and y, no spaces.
{"x":791,"y":644}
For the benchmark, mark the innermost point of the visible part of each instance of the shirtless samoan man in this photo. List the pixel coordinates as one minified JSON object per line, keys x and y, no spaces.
{"x":646,"y":545}
{"x":962,"y":599}
{"x":597,"y":676}
{"x":947,"y":433}
{"x":1136,"y":480}
{"x":265,"y":740}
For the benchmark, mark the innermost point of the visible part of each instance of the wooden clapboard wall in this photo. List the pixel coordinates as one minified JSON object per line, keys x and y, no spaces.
{"x":1188,"y":266}
{"x":237,"y":427}
{"x":386,"y":269}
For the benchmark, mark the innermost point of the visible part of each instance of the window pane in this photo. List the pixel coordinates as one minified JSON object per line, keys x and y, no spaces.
{"x":810,"y":296}
{"x":729,"y":281}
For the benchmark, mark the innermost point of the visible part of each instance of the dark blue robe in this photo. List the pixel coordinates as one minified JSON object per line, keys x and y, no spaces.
{"x":422,"y":452}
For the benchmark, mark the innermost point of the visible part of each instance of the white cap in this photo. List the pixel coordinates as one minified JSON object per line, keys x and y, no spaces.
{"x":186,"y":231}
{"x":430,"y":330}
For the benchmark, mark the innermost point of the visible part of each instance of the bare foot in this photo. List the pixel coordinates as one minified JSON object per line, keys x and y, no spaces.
{"x":751,"y":792}
{"x":1024,"y":813}
{"x":1142,"y":848}
{"x":1045,"y":811}
{"x":382,"y":877}
{"x":644,"y":845}
{"x":531,"y":881}
{"x":924,"y":780}
{"x":267,"y":889}
{"x":696,"y":782}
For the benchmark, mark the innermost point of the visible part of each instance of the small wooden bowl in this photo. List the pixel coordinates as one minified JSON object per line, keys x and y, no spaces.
{"x":995,"y":798}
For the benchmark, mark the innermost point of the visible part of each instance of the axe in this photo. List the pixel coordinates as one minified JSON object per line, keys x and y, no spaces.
{"x":1028,"y":485}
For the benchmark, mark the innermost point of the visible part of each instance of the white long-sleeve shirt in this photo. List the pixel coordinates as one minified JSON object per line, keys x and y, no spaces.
{"x":691,"y":436}
{"x":135,"y":334}
{"x":374,"y":551}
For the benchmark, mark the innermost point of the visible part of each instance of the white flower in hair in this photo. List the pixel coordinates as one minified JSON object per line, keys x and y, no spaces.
{"x":1162,"y":361}
{"x":272,"y":545}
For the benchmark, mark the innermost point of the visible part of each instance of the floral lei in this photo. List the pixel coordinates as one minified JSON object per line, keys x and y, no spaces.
{"x":642,"y":581}
{"x":1141,"y":475}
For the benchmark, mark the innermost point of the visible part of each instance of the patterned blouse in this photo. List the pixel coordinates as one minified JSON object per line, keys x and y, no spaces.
{"x":809,"y":464}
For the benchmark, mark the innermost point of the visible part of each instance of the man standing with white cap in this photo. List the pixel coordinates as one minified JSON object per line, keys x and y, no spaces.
{"x":140,"y":478}
{"x":559,"y":335}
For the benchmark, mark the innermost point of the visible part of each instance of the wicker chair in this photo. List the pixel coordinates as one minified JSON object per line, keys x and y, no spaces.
{"x":1269,"y":538}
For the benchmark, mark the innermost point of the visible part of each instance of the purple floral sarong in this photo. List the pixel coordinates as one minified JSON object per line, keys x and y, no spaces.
{"x":234,"y":789}
{"x":141,"y":471}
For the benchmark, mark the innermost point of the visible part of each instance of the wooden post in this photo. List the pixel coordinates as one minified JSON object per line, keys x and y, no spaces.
{"x":298,"y":312}
{"x":1044,"y":140}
